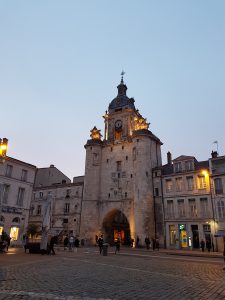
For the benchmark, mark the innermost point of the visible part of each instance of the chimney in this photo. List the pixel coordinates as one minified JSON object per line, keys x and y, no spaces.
{"x":169,"y":158}
{"x":214,"y":154}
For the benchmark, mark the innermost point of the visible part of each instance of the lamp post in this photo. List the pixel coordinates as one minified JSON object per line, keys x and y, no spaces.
{"x":3,"y":150}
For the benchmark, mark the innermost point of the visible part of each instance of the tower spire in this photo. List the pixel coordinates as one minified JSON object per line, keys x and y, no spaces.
{"x":122,"y":73}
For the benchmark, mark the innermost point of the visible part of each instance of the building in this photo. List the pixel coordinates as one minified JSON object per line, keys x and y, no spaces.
{"x":217,"y":174}
{"x":118,"y":186}
{"x":187,"y":201}
{"x":65,"y":198}
{"x":16,"y":182}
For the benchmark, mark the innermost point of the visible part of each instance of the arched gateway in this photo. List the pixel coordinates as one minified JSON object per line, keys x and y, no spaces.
{"x":115,"y":225}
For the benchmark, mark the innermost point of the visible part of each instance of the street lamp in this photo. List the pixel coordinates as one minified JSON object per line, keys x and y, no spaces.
{"x":3,"y":149}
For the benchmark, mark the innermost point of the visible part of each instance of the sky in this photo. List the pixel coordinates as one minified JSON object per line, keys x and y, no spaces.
{"x":60,"y":64}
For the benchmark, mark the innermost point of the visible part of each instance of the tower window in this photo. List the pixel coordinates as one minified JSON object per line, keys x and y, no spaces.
{"x":118,"y":166}
{"x":146,"y":174}
{"x":118,"y":175}
{"x":131,"y":175}
{"x":125,"y":194}
{"x":126,"y":157}
{"x":107,"y":161}
{"x":108,"y":195}
{"x":122,"y":147}
{"x":111,"y":149}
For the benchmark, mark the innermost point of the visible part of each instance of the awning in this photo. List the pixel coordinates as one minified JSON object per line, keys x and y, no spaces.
{"x":220,"y":233}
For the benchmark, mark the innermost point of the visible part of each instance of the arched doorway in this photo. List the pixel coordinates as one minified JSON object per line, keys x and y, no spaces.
{"x":116,"y":225}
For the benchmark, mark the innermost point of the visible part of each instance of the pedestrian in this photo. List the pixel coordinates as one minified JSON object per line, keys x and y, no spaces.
{"x":137,"y":241}
{"x":147,"y":242}
{"x":132,"y":243}
{"x":25,"y":242}
{"x":100,"y":244}
{"x":71,"y":242}
{"x":96,"y":240}
{"x":65,"y":242}
{"x":51,"y":245}
{"x":117,"y":244}
{"x":153,"y":244}
{"x":76,"y":243}
{"x":202,"y":244}
{"x":208,"y":245}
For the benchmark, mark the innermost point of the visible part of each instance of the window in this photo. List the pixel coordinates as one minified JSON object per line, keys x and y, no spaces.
{"x":8,"y":172}
{"x":39,"y":210}
{"x":125,"y":194}
{"x":181,"y":208}
{"x":218,"y":186}
{"x":201,"y":182}
{"x":190,"y":183}
{"x":177,"y":167}
{"x":221,"y":209}
{"x":170,"y":209}
{"x":172,"y":233}
{"x":156,"y":192}
{"x":169,"y":185}
{"x":24,"y":175}
{"x":67,"y":208}
{"x":5,"y":193}
{"x":118,"y":166}
{"x":204,"y":207}
{"x":179,"y":184}
{"x":188,"y":165}
{"x":20,"y":196}
{"x":68,"y":192}
{"x":134,"y":153}
{"x":192,"y":208}
{"x":41,"y":194}
{"x":108,"y":195}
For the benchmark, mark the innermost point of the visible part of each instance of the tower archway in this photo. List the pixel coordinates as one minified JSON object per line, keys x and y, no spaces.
{"x":115,"y":225}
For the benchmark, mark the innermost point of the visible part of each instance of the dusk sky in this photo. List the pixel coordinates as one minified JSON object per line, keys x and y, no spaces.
{"x":60,"y":64}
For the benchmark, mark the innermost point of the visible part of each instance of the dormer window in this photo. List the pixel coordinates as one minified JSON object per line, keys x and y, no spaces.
{"x":178,"y":167}
{"x":188,"y":165}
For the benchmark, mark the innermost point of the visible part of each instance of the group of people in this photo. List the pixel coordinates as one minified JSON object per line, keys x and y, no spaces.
{"x":4,"y":242}
{"x":71,"y":242}
{"x":154,"y":242}
{"x":206,"y":244}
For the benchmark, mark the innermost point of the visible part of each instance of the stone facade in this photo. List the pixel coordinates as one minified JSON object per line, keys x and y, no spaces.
{"x":66,"y":202}
{"x":217,"y":171}
{"x":118,"y":191}
{"x":185,"y":191}
{"x":16,"y":185}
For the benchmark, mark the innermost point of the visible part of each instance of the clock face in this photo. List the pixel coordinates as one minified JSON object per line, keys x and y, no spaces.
{"x":118,"y":124}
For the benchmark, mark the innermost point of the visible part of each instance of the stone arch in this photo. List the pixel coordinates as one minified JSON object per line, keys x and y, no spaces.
{"x":16,"y":220}
{"x":115,"y":225}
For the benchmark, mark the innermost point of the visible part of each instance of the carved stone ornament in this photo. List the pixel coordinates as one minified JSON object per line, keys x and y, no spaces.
{"x":95,"y":134}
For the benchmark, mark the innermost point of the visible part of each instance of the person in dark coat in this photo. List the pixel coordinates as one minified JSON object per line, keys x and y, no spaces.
{"x":202,"y":244}
{"x":137,"y":242}
{"x":117,"y":244}
{"x":53,"y":241}
{"x":208,"y":245}
{"x":147,"y":243}
{"x":100,"y":244}
{"x":66,"y":242}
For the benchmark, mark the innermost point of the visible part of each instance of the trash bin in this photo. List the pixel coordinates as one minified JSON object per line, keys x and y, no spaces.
{"x":105,"y":249}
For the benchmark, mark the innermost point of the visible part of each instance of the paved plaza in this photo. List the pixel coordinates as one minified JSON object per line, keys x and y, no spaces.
{"x":128,"y":275}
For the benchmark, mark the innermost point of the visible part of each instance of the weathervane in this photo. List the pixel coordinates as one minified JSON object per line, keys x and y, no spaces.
{"x":122,"y":73}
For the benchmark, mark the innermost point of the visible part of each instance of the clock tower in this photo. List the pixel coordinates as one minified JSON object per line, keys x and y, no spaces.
{"x":118,"y":199}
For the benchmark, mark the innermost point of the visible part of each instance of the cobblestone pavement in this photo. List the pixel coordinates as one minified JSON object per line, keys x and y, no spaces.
{"x":86,"y":275}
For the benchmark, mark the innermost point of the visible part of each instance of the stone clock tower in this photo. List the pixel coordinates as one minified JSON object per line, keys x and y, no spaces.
{"x":118,"y":195}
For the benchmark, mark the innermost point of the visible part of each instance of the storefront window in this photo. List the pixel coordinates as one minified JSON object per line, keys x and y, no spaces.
{"x":1,"y":229}
{"x":14,"y":232}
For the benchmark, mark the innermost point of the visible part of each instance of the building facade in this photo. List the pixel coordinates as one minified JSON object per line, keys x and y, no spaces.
{"x":118,"y":185}
{"x":65,"y":201}
{"x":187,"y":201}
{"x":16,"y":185}
{"x":217,"y":173}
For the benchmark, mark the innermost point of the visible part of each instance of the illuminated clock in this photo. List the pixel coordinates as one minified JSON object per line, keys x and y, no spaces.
{"x":118,"y":124}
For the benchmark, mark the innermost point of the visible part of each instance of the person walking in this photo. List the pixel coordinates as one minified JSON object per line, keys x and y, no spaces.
{"x":202,"y":245}
{"x":25,"y":242}
{"x":137,"y":241}
{"x":65,"y":242}
{"x":100,"y":244}
{"x":117,"y":244}
{"x":208,"y":245}
{"x":147,"y":242}
{"x":76,"y":243}
{"x":71,"y":242}
{"x":51,"y":245}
